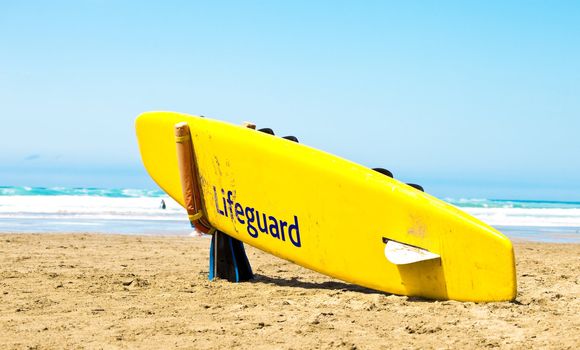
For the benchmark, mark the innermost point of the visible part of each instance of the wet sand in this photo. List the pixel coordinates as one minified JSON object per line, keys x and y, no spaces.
{"x":111,"y":291}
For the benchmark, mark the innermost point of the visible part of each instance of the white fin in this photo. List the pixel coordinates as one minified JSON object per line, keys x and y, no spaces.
{"x":401,"y":254}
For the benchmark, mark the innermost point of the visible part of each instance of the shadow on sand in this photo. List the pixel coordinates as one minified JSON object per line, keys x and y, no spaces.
{"x":330,"y":285}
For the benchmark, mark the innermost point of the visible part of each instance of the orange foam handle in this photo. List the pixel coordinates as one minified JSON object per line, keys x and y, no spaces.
{"x":189,"y":178}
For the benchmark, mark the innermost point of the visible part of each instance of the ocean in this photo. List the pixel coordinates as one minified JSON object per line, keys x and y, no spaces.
{"x":138,"y":211}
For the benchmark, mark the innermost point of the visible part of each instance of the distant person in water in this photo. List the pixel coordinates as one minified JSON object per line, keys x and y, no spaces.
{"x":163,"y":206}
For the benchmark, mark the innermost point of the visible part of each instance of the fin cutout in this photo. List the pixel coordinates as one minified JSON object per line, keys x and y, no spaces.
{"x":418,"y":187}
{"x":403,"y":254}
{"x":384,"y":171}
{"x":266,"y":131}
{"x":291,"y":138}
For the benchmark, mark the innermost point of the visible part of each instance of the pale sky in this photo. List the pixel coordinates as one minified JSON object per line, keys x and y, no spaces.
{"x":469,"y":99}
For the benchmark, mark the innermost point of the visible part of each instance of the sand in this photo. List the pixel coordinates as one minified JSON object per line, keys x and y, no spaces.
{"x":110,"y":291}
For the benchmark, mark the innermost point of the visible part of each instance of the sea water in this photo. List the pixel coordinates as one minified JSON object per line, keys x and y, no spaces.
{"x":138,"y":211}
{"x":60,"y":209}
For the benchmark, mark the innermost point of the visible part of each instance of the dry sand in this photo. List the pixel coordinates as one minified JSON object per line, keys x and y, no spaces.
{"x":110,"y":291}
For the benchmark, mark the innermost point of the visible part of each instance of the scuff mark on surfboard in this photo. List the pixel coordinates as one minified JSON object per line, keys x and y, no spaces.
{"x":418,"y":228}
{"x":217,"y":166}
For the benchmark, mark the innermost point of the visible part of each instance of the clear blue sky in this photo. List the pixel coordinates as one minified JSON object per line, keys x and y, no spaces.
{"x":468,"y":98}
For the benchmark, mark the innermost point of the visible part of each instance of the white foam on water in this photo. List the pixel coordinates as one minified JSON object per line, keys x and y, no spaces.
{"x":90,"y":207}
{"x":149,"y":208}
{"x":139,"y":211}
{"x":527,"y":217}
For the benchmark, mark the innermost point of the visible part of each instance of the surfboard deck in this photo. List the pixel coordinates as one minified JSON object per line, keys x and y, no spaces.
{"x":329,"y":214}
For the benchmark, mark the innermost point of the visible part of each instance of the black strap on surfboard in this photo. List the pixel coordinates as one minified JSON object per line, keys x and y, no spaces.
{"x":228,"y":259}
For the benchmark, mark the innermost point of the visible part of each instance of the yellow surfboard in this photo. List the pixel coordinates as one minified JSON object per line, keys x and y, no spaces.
{"x":329,"y":214}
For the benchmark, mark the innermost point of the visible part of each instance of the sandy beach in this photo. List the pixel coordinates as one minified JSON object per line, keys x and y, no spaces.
{"x":111,"y":291}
